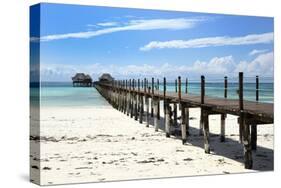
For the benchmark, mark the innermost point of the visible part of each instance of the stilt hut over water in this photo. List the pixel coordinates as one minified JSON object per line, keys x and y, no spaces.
{"x":105,"y":77}
{"x":82,"y":80}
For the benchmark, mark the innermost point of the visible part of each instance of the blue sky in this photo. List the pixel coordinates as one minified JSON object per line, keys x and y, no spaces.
{"x":144,"y":43}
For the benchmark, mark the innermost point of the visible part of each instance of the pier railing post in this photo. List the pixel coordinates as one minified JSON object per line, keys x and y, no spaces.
{"x":164,"y":96}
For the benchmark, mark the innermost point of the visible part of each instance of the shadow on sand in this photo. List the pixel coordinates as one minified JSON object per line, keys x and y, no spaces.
{"x":231,"y":148}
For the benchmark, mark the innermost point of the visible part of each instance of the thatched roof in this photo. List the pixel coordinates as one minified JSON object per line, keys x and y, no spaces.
{"x":81,"y":77}
{"x":106,"y":77}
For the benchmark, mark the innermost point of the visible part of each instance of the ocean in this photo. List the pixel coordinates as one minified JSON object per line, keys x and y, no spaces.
{"x":62,"y":94}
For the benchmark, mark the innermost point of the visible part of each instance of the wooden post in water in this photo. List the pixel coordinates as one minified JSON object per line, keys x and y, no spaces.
{"x":202,"y":102}
{"x":254,"y":126}
{"x":223,"y":116}
{"x":152,"y":98}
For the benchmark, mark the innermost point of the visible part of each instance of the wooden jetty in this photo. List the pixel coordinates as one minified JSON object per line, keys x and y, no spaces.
{"x":129,"y":96}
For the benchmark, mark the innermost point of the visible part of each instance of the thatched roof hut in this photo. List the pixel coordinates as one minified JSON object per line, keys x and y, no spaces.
{"x":105,"y":77}
{"x":81,"y":79}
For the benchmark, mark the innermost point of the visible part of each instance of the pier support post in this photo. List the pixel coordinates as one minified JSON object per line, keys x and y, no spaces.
{"x":175,"y":114}
{"x":186,"y":112}
{"x":247,"y":146}
{"x":241,"y":107}
{"x":132,"y":102}
{"x":168,"y":119}
{"x":152,"y":91}
{"x":202,"y":102}
{"x":206,"y":131}
{"x":183,"y":124}
{"x":254,"y":136}
{"x":156,"y":121}
{"x":201,"y":122}
{"x":136,"y":107}
{"x":222,"y":136}
{"x":141,"y":108}
{"x":147,"y":110}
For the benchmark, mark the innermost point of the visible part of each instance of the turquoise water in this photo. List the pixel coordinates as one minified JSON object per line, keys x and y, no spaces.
{"x":64,"y":95}
{"x":266,"y":92}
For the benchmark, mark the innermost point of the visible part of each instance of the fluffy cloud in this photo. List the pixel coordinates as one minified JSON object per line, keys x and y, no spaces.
{"x":132,"y":25}
{"x":211,"y":42}
{"x":262,"y":65}
{"x":215,"y":67}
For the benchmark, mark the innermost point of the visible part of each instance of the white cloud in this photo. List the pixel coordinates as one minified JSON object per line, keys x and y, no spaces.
{"x":133,"y":25}
{"x":107,"y":24}
{"x":255,"y":52}
{"x":263,"y":38}
{"x":261,"y":65}
{"x":218,"y":67}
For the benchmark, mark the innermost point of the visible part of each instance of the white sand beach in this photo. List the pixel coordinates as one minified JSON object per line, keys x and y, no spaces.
{"x":93,"y":144}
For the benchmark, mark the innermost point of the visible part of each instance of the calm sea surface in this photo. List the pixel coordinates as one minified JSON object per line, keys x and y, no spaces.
{"x":63,"y":94}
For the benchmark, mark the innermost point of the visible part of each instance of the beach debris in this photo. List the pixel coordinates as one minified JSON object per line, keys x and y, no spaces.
{"x":179,"y":150}
{"x":187,"y":159}
{"x":46,"y":168}
{"x":135,"y":154}
{"x":34,"y":167}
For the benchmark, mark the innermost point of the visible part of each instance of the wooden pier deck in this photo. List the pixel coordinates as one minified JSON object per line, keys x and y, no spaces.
{"x":129,"y":97}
